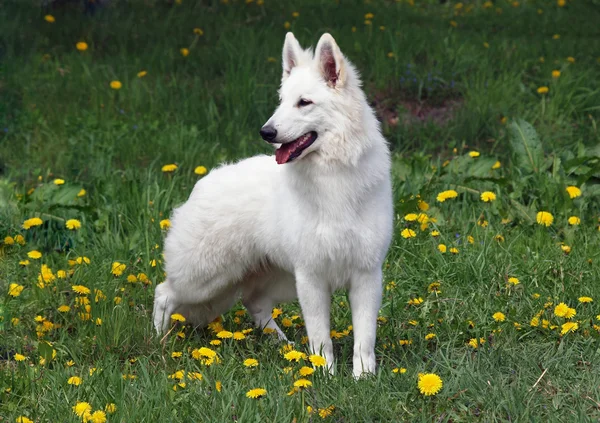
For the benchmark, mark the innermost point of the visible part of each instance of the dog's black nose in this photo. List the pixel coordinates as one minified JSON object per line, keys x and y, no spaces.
{"x":268,"y":133}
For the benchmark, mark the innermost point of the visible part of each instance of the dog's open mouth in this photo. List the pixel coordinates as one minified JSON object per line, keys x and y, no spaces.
{"x":291,"y":150}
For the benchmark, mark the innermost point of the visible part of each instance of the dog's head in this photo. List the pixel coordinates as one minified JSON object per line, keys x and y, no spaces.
{"x":319,"y":97}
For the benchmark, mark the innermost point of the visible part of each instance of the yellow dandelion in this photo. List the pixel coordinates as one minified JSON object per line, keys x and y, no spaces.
{"x":177,"y":317}
{"x":82,"y":408}
{"x":429,"y":384}
{"x":34,"y":254}
{"x":49,"y":19}
{"x":81,"y":192}
{"x":97,"y":416}
{"x":74,"y":380}
{"x":446,"y":195}
{"x":430,"y":336}
{"x":497,"y":165}
{"x":555,"y":74}
{"x":585,"y":299}
{"x":474,"y":154}
{"x":408,"y":233}
{"x":81,"y":46}
{"x":442,"y":248}
{"x":118,"y":268}
{"x":542,"y":90}
{"x":29,"y":223}
{"x":14,"y":289}
{"x":116,"y":85}
{"x":141,"y":74}
{"x":165,"y":224}
{"x":73,"y":224}
{"x":23,"y":419}
{"x":80,"y":289}
{"x":19,"y":357}
{"x":169,"y":168}
{"x":255,"y":393}
{"x":110,"y":408}
{"x":544,"y":218}
{"x":238,"y":336}
{"x":569,"y":327}
{"x":573,"y":192}
{"x":294,"y":355}
{"x":306,"y":371}
{"x":454,"y":250}
{"x":225,"y":334}
{"x":571,"y":59}
{"x":513,"y":281}
{"x":198,"y":32}
{"x":302,"y":383}
{"x":574,"y":220}
{"x":251,"y":362}
{"x":499,"y":316}
{"x":64,"y":309}
{"x":488,"y":196}
{"x":184,"y":51}
{"x":317,"y":360}
{"x":200,"y":170}
{"x":561,"y":310}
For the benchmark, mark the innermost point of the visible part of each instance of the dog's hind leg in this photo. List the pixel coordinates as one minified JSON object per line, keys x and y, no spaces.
{"x":261,"y":291}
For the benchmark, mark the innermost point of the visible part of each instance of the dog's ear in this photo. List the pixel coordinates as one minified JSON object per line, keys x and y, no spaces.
{"x":291,"y":54}
{"x":330,"y":61}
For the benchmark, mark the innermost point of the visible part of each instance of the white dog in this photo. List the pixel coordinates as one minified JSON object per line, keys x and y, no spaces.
{"x":312,"y":219}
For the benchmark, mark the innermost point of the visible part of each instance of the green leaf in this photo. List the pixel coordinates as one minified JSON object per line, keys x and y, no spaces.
{"x":527,"y":151}
{"x":45,"y":351}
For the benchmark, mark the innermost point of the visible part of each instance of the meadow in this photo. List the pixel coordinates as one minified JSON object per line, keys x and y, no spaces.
{"x":108,"y":118}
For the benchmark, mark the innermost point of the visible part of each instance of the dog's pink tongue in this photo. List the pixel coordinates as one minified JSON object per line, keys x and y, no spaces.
{"x":283,"y":153}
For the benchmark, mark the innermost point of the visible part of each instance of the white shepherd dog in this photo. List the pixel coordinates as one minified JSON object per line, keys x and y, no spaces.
{"x":314,"y":218}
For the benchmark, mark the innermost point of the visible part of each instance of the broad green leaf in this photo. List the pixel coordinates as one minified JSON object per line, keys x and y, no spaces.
{"x":527,"y":151}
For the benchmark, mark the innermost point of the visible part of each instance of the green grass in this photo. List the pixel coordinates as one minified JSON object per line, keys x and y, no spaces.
{"x":60,"y":119}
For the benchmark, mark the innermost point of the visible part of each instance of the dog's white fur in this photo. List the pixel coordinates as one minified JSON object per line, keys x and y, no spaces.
{"x":272,"y":232}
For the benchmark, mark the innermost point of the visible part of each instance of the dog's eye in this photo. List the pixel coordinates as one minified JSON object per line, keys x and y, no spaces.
{"x":303,"y":102}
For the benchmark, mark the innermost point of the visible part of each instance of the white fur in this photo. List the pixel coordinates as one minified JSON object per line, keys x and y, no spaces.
{"x":271,"y":233}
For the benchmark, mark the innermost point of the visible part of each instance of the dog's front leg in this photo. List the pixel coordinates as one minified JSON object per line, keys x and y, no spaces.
{"x":315,"y":300}
{"x":365,"y":300}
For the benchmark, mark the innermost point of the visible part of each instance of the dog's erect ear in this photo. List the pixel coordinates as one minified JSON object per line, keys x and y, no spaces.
{"x":291,"y":54}
{"x":330,"y":61}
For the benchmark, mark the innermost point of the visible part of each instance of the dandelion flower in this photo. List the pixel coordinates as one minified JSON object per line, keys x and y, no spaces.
{"x":59,"y":181}
{"x":251,"y":362}
{"x":442,"y":248}
{"x":430,"y":336}
{"x":14,"y":290}
{"x":116,"y":85}
{"x":165,"y":224}
{"x":571,"y":59}
{"x":169,"y":168}
{"x":317,"y":360}
{"x":256,"y":393}
{"x":238,"y":336}
{"x":200,"y":170}
{"x":81,"y":192}
{"x":542,"y":90}
{"x":445,"y":195}
{"x":306,"y":371}
{"x":555,"y":74}
{"x":302,"y":383}
{"x":23,"y":419}
{"x":408,"y":233}
{"x":497,"y":165}
{"x":225,"y":334}
{"x":177,"y":317}
{"x":294,"y":355}
{"x":80,"y":289}
{"x":488,"y":196}
{"x":198,"y":32}
{"x":411,"y":217}
{"x":19,"y":357}
{"x":73,"y":224}
{"x":118,"y":268}
{"x":141,"y":74}
{"x":110,"y":408}
{"x":513,"y":281}
{"x":34,"y":221}
{"x":184,"y":51}
{"x":569,"y":327}
{"x":74,"y":380}
{"x":98,"y":416}
{"x":82,"y":408}
{"x":561,"y":310}
{"x":34,"y":254}
{"x":454,"y":250}
{"x":544,"y":218}
{"x":81,"y":46}
{"x":474,"y":154}
{"x":585,"y":299}
{"x":429,"y":384}
{"x":49,"y":19}
{"x":499,"y":316}
{"x":573,"y":192}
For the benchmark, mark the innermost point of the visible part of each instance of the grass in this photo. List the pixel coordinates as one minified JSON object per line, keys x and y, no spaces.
{"x":60,"y":119}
